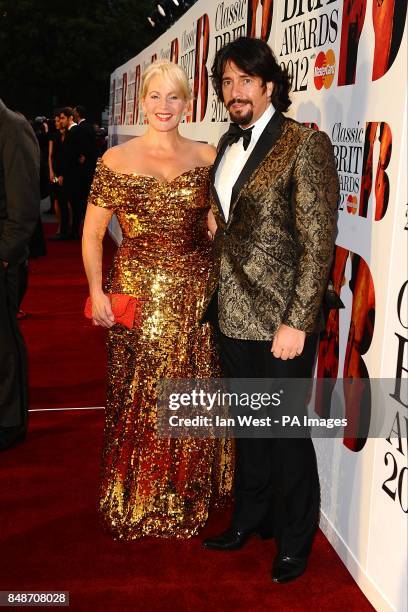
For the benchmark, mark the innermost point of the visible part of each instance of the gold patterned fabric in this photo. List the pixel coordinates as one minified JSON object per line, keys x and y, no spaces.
{"x":150,"y":485}
{"x":274,"y":252}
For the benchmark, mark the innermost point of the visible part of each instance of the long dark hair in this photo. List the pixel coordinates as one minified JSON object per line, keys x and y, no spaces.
{"x":254,"y":57}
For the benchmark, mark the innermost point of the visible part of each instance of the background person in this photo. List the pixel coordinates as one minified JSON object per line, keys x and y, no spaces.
{"x":87,"y":155}
{"x":55,"y":152}
{"x":19,"y":212}
{"x":69,"y":179}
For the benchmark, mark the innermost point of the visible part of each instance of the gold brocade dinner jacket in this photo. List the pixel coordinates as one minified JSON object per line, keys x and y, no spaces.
{"x":273,"y":253}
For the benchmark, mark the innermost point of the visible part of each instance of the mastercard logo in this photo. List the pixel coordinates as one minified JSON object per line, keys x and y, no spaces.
{"x":352,"y":204}
{"x":325,"y":69}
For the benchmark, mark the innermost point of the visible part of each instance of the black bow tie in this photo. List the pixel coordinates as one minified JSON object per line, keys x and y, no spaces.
{"x":235,"y":133}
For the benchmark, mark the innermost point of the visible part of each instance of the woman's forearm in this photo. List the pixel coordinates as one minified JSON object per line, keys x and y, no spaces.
{"x":95,"y":225}
{"x":92,"y":251}
{"x":50,"y":151}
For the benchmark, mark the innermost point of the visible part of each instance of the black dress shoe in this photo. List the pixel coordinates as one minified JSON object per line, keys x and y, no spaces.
{"x":231,"y":539}
{"x":286,"y":568}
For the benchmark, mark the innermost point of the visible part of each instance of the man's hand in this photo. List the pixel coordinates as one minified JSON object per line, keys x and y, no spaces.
{"x":288,"y":342}
{"x":60,"y":180}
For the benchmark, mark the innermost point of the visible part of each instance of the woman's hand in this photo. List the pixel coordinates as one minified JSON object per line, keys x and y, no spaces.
{"x":102,"y":310}
{"x":211,"y":224}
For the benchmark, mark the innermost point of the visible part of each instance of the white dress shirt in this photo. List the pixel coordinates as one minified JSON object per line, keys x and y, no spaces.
{"x":235,"y":158}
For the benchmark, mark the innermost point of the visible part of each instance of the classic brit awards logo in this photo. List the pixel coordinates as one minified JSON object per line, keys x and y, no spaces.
{"x":307,"y":29}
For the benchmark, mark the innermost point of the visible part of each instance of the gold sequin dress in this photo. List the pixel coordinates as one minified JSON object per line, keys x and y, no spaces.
{"x":150,"y":485}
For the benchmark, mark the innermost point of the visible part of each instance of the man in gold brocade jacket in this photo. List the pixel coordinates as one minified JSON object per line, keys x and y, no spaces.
{"x":275,"y":206}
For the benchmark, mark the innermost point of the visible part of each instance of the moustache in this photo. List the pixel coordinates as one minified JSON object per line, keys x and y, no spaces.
{"x":238,"y":101}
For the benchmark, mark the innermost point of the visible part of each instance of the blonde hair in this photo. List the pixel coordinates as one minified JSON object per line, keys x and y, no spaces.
{"x":170,"y":71}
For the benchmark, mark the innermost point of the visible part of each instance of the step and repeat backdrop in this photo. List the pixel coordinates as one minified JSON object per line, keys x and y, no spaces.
{"x":348,"y":59}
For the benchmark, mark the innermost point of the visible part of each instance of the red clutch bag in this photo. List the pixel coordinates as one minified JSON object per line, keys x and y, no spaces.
{"x":126,"y":309}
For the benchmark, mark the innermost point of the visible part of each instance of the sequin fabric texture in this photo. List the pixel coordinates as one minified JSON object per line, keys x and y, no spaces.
{"x":150,"y":485}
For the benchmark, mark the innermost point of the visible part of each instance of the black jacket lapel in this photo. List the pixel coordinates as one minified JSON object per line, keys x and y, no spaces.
{"x":222,"y":145}
{"x":265,"y":142}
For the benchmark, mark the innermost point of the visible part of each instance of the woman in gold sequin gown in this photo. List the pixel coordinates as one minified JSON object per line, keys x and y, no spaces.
{"x":158,"y":187}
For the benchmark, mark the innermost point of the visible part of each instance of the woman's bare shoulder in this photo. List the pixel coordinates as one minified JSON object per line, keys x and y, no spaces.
{"x":117,"y":156}
{"x":203,"y":152}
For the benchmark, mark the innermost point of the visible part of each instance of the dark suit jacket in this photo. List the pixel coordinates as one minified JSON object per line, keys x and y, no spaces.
{"x":273,"y":253}
{"x":19,"y":185}
{"x":86,"y":138}
{"x":79,"y":140}
{"x":70,"y":159}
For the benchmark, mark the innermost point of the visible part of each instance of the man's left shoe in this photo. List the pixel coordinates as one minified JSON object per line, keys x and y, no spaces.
{"x":231,"y":539}
{"x":286,"y":568}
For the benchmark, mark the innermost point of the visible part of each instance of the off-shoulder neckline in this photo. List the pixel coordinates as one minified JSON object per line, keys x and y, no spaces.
{"x":151,"y":176}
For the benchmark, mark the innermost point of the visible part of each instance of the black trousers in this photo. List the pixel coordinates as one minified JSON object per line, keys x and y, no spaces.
{"x":71,"y":193}
{"x":37,"y":246}
{"x":276,"y":480}
{"x":63,"y":199}
{"x":13,"y":357}
{"x":78,"y":192}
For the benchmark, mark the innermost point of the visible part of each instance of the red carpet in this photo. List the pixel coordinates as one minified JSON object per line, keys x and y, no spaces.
{"x":50,"y":535}
{"x":66,"y":353}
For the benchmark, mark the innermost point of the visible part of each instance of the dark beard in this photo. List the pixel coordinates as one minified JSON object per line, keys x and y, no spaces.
{"x":242,"y":119}
{"x":238,"y":118}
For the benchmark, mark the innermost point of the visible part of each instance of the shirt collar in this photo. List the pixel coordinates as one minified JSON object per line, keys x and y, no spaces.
{"x":262,"y":122}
